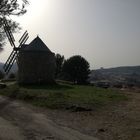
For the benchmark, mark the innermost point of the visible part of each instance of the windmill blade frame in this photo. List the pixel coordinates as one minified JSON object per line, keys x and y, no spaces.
{"x":11,"y":59}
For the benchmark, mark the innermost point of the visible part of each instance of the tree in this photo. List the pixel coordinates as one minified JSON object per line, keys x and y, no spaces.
{"x":8,"y":8}
{"x":77,"y":68}
{"x":59,"y":63}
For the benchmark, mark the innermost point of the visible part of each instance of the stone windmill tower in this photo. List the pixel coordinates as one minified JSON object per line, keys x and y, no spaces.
{"x":36,"y":63}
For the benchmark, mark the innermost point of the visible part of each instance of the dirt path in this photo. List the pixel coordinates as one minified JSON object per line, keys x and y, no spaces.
{"x":19,"y":121}
{"x":8,"y":131}
{"x":120,"y":121}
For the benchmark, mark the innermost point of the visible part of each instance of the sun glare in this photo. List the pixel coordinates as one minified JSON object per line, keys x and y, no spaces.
{"x":37,"y":8}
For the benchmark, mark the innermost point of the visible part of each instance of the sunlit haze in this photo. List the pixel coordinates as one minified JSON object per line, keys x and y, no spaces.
{"x":105,"y":32}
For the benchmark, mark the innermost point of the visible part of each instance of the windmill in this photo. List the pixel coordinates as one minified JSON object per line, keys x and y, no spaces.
{"x":12,"y":58}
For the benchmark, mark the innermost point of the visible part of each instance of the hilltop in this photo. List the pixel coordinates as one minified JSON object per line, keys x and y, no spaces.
{"x":123,"y":75}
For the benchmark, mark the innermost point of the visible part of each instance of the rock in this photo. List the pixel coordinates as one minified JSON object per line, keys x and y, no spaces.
{"x":78,"y":108}
{"x":101,"y":130}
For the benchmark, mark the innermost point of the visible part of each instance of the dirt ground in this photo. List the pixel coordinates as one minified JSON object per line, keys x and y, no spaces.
{"x":120,"y":121}
{"x":21,"y":121}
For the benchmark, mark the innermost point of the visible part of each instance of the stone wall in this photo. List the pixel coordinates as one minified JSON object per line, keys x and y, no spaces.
{"x":36,"y":67}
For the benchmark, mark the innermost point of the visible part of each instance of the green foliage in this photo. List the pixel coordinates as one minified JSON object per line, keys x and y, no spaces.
{"x":59,"y":63}
{"x":64,"y":96}
{"x":76,"y":69}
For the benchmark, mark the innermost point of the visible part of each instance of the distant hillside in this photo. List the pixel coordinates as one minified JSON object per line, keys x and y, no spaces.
{"x":13,"y":69}
{"x":123,"y":70}
{"x":129,"y":74}
{"x":1,"y":65}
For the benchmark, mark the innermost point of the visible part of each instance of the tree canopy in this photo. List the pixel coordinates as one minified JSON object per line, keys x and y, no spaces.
{"x":77,"y":69}
{"x":59,"y":64}
{"x":8,"y":8}
{"x":12,"y":7}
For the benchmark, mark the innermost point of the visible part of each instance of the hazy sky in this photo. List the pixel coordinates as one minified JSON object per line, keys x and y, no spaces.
{"x":105,"y":32}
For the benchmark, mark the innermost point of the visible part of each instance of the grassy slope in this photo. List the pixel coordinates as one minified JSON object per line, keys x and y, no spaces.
{"x":63,"y":95}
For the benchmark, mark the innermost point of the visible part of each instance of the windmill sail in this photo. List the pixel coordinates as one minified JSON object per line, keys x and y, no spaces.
{"x":11,"y":59}
{"x":8,"y":33}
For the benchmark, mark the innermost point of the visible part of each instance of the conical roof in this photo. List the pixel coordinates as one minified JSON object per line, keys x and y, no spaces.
{"x":37,"y":45}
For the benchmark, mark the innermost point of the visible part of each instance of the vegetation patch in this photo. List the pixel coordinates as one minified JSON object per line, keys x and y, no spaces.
{"x":64,"y":96}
